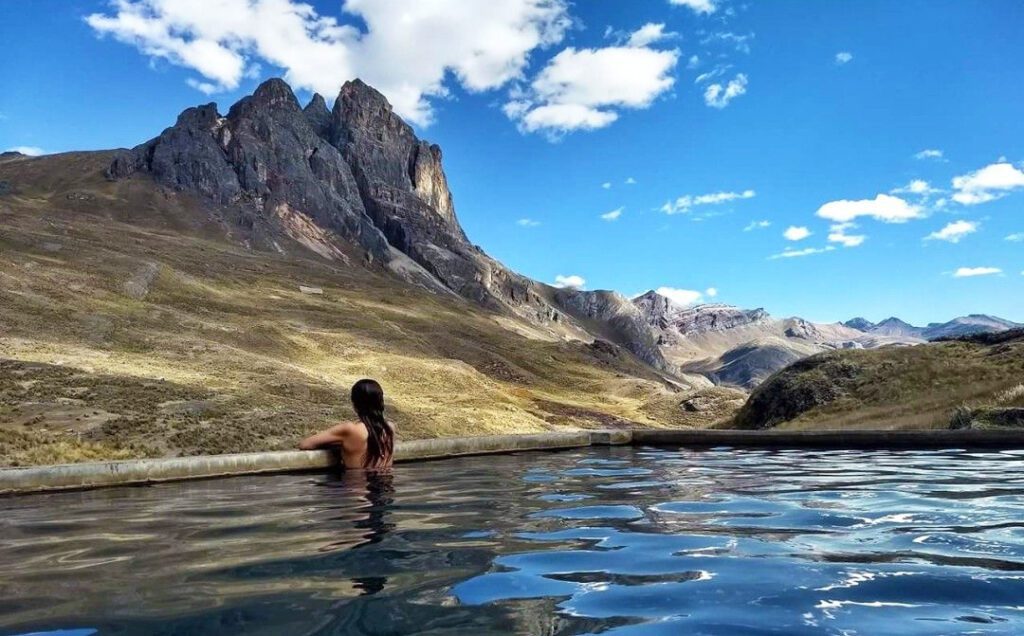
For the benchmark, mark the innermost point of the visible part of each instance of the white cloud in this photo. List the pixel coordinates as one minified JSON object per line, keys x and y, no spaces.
{"x":1015,"y":238}
{"x":795,"y":233}
{"x":206,"y":88}
{"x":649,"y":34}
{"x":837,"y":234}
{"x":527,"y":223}
{"x":718,"y":96}
{"x":562,"y":118}
{"x":953,"y":232}
{"x":917,"y":186}
{"x":757,"y":225}
{"x":630,"y":181}
{"x":693,"y":62}
{"x":718,"y":71}
{"x":740,"y":42}
{"x":843,"y":57}
{"x":792,"y":253}
{"x":681,"y":296}
{"x":31,"y":151}
{"x":992,"y":182}
{"x":711,"y":292}
{"x":683,"y":204}
{"x":405,"y":49}
{"x":607,"y":185}
{"x":884,"y":207}
{"x":572,"y":281}
{"x":700,"y":6}
{"x":613,"y":215}
{"x":930,"y":153}
{"x":583,"y":89}
{"x":968,"y":272}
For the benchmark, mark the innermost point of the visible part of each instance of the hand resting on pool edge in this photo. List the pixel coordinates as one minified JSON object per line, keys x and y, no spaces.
{"x":367,"y":443}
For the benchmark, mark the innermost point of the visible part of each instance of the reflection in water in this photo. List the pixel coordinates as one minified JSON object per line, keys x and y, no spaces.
{"x":611,"y":541}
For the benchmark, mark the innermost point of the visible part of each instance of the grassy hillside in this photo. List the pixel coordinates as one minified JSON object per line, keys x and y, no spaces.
{"x":918,"y":387}
{"x":135,"y":323}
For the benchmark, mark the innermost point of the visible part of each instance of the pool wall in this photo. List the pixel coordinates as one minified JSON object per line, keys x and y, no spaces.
{"x":147,"y":471}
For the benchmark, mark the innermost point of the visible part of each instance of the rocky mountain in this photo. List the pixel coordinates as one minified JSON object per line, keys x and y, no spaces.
{"x":358,"y":173}
{"x":964,"y":325}
{"x":742,"y":347}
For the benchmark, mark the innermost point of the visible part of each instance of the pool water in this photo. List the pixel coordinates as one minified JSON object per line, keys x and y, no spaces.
{"x":601,"y":540}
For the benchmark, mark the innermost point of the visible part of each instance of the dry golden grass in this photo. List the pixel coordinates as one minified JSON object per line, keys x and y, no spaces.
{"x":225,"y":354}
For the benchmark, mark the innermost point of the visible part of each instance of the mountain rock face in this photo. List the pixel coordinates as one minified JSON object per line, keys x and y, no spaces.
{"x":666,"y":315}
{"x":357,"y":173}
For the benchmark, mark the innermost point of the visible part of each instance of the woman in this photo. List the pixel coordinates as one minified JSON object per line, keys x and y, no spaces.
{"x":368,"y":443}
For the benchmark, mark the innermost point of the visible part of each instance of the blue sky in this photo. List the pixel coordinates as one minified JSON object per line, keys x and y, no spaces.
{"x":855,"y":130}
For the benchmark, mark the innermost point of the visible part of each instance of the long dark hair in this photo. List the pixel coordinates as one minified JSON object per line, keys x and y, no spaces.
{"x":368,"y":401}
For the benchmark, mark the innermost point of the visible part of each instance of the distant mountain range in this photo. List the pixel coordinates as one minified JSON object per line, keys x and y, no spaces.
{"x":281,"y":178}
{"x":962,"y":326}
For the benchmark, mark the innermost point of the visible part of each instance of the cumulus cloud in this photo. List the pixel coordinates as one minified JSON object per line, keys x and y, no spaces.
{"x":681,"y":296}
{"x":711,"y":292}
{"x":718,"y":96}
{"x":843,"y":57}
{"x":649,"y":34}
{"x":613,"y":215}
{"x":757,"y":225}
{"x":31,"y":151}
{"x":571,"y":282}
{"x":929,"y":153}
{"x":793,"y":253}
{"x":992,"y":182}
{"x":953,"y":232}
{"x":405,"y":49}
{"x":699,"y":6}
{"x":883,"y":207}
{"x":969,"y":272}
{"x":527,"y":223}
{"x":607,"y":185}
{"x":796,"y":233}
{"x":584,"y":89}
{"x":917,"y":186}
{"x":1017,"y":237}
{"x":685,"y":203}
{"x":837,"y":234}
{"x":630,"y":181}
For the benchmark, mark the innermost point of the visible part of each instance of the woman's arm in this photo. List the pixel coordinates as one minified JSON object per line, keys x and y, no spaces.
{"x":331,"y":437}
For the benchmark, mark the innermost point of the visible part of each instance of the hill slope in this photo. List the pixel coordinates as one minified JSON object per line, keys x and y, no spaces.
{"x":890,"y":388}
{"x":140,"y":320}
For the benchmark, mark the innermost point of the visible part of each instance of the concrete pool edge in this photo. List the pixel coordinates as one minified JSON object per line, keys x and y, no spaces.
{"x":148,"y":471}
{"x":34,"y":479}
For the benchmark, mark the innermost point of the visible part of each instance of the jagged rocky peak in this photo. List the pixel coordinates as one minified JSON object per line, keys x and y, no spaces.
{"x":666,"y":314}
{"x":860,"y":324}
{"x":386,"y":152}
{"x":318,"y":115}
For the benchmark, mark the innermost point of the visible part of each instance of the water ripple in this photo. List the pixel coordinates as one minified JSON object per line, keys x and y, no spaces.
{"x":612,"y":541}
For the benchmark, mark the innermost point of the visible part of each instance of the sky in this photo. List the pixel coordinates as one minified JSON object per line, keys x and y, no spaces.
{"x":820,"y":159}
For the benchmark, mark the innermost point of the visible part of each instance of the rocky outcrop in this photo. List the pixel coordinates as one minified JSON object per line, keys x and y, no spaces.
{"x":266,"y":159}
{"x":665,"y":314}
{"x":355,"y":173}
{"x":613,"y":317}
{"x":804,"y":385}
